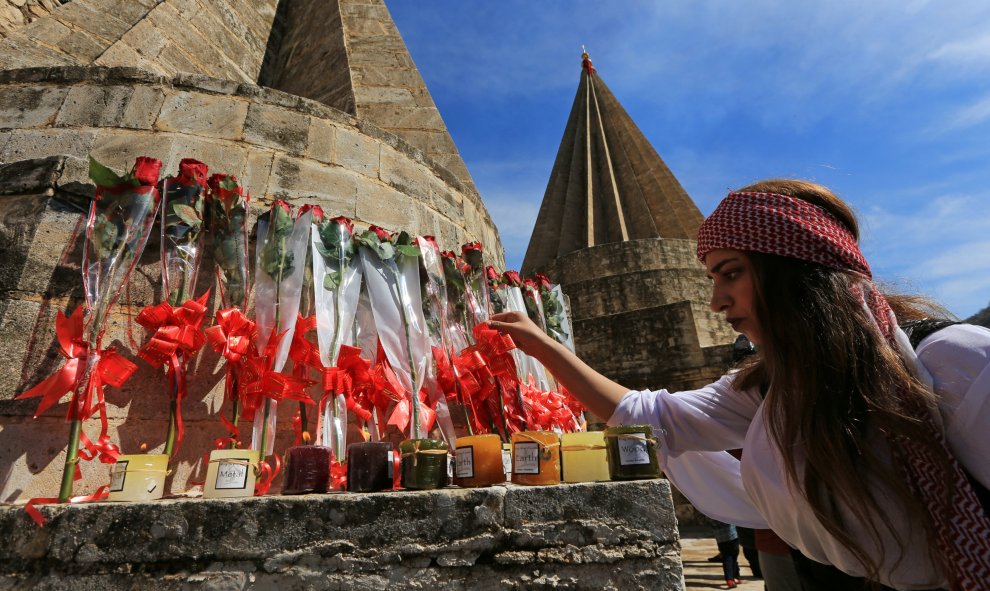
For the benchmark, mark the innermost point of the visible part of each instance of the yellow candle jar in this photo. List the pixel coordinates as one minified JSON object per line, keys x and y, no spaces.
{"x":535,"y":457}
{"x":231,"y":473}
{"x":478,"y":461}
{"x":138,"y":477}
{"x":583,"y":457}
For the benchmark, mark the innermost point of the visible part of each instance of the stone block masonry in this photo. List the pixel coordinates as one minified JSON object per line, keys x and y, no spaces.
{"x":279,"y":145}
{"x":600,"y":536}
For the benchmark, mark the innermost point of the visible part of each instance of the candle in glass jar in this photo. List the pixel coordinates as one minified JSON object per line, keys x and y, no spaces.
{"x":583,"y":457}
{"x":138,"y":477}
{"x":230,"y":473}
{"x":424,"y":464}
{"x":478,"y":461}
{"x":307,"y":470}
{"x":370,"y":466}
{"x":535,"y":457}
{"x":632,"y":452}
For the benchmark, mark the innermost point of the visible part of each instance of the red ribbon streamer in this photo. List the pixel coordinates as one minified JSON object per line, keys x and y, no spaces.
{"x":30,"y":508}
{"x":110,"y":369}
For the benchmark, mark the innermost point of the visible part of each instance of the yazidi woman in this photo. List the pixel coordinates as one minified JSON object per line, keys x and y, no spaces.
{"x":865,"y":452}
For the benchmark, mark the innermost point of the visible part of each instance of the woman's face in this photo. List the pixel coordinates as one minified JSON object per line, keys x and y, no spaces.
{"x":732,"y":290}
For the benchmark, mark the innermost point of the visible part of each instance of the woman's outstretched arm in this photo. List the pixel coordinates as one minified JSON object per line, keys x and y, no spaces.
{"x":600,"y":394}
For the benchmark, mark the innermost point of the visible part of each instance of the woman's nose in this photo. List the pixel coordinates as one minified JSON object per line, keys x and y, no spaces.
{"x":719,"y":301}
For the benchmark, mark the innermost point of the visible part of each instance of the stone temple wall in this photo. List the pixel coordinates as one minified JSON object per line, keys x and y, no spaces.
{"x":282,"y":146}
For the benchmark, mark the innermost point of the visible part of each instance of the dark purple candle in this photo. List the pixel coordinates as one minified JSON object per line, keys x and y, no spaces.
{"x":370,"y":466}
{"x":307,"y":470}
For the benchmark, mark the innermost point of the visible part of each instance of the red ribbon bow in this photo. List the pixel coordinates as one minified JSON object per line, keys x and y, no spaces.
{"x":177,"y":338}
{"x":231,"y":336}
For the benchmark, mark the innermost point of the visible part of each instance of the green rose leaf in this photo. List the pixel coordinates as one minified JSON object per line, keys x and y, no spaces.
{"x":101,"y":175}
{"x":187,"y":214}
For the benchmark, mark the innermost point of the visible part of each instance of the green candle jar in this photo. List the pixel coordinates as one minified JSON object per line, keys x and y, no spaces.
{"x":424,"y":464}
{"x":632,"y":452}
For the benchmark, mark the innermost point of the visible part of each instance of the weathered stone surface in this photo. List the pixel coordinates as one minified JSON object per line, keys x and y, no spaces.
{"x":322,"y":141}
{"x":277,"y":128}
{"x":94,"y":106}
{"x":356,"y":152}
{"x":28,"y":144}
{"x":615,"y":535}
{"x":212,"y":116}
{"x":22,"y":107}
{"x":390,"y":209}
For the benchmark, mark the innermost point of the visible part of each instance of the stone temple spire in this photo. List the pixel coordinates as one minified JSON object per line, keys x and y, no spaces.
{"x":608,"y":184}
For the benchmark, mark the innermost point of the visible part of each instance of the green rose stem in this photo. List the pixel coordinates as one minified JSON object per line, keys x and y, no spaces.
{"x":236,"y":412}
{"x":75,"y":428}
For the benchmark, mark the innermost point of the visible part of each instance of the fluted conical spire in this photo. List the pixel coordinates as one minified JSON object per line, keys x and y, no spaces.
{"x":608,"y":184}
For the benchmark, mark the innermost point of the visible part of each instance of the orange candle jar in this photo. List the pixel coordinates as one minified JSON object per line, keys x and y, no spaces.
{"x":535,"y":457}
{"x":478,"y":461}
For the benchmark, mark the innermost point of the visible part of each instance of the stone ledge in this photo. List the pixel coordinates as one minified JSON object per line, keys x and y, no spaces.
{"x":619,"y":535}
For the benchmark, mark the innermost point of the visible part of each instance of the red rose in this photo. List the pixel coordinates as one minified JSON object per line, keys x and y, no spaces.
{"x":284,"y":205}
{"x":543,"y":280}
{"x":344,"y":221}
{"x":146,"y":170}
{"x":528,"y":282}
{"x":316,"y":209}
{"x":512,"y":278}
{"x":383,"y":234}
{"x":192,"y":172}
{"x":492,"y":273}
{"x":470,"y":247}
{"x":430,"y":240}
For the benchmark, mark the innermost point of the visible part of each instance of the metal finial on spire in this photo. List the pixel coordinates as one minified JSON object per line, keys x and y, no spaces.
{"x":586,"y":61}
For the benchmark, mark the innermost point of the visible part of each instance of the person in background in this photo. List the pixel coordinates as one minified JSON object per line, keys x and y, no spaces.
{"x":863,"y":453}
{"x":728,"y":549}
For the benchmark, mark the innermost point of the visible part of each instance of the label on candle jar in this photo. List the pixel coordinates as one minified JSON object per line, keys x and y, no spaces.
{"x":232,"y":475}
{"x":464,"y":462}
{"x":119,"y":472}
{"x":527,"y":457}
{"x":632,"y":449}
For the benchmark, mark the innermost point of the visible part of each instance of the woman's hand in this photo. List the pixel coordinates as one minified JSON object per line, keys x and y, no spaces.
{"x":529,"y":337}
{"x":598,"y":393}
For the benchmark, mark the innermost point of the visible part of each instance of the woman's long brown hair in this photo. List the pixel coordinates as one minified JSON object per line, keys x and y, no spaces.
{"x":832,"y":380}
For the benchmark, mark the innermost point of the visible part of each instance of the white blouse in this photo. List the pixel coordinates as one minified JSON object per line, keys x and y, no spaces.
{"x":694,"y":428}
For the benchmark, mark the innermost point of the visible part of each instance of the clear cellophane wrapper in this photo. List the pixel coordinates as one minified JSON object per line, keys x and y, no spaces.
{"x":530,"y":370}
{"x":182,"y":225}
{"x":278,"y":288}
{"x":229,"y":240}
{"x":558,"y":315}
{"x":393,"y":287}
{"x":337,"y":291}
{"x":433,"y":290}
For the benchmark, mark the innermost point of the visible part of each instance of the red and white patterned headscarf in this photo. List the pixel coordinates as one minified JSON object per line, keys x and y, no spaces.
{"x":787,"y":226}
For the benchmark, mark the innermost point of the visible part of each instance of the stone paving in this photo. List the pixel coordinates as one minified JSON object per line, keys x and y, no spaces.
{"x":696,"y":547}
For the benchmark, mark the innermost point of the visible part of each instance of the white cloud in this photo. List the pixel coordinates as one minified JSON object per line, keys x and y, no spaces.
{"x":942,"y":248}
{"x":974,"y":51}
{"x":970,"y":115}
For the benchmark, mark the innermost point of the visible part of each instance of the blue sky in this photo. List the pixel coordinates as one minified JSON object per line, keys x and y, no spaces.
{"x":886,"y":102}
